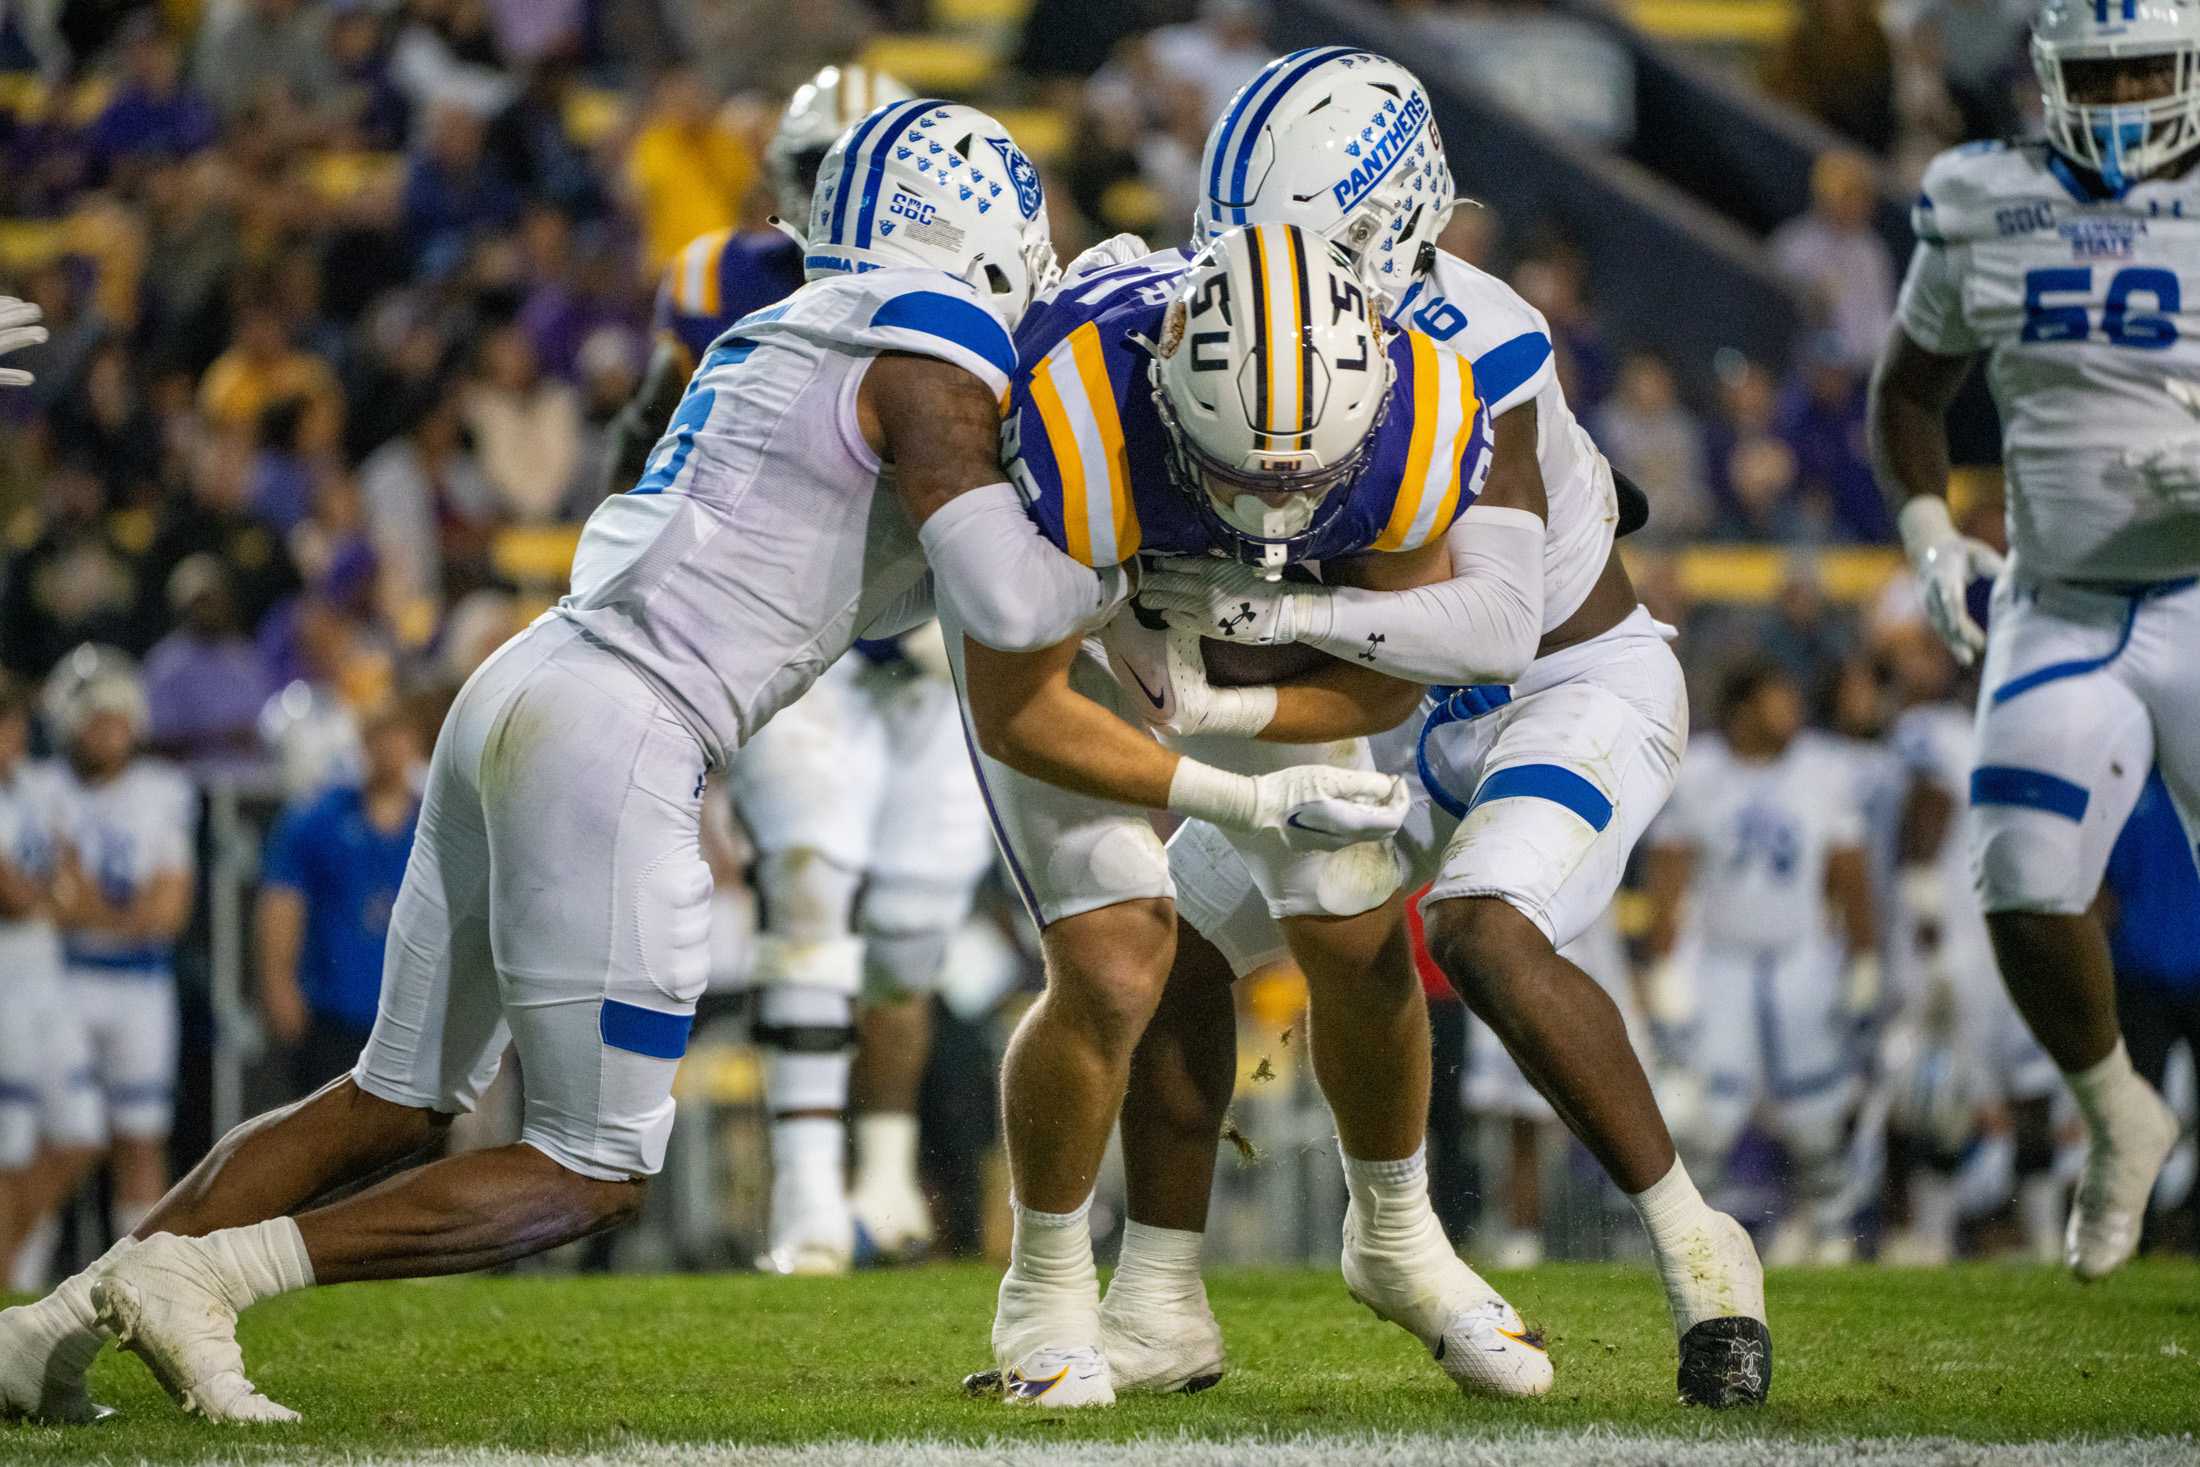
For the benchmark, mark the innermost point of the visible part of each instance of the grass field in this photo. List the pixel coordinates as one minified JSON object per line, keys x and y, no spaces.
{"x":1870,"y":1366}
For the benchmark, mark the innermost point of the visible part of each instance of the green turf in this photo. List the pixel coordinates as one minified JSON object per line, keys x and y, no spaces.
{"x":1986,"y":1353}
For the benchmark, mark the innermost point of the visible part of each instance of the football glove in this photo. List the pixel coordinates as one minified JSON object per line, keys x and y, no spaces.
{"x":1312,"y":807}
{"x":1946,"y":562}
{"x":18,"y":328}
{"x":1228,"y":600}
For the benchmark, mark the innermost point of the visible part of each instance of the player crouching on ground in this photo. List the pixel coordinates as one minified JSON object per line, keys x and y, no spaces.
{"x":1530,"y":793}
{"x":827,"y":454}
{"x":1250,"y":405}
{"x":2065,"y":264}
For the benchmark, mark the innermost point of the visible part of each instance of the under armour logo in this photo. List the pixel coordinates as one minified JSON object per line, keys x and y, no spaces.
{"x":1242,"y":617}
{"x":701,"y":780}
{"x":1374,"y":642}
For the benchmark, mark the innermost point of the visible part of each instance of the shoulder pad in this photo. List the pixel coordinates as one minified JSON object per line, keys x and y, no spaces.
{"x":1980,"y":190}
{"x":923,"y":312}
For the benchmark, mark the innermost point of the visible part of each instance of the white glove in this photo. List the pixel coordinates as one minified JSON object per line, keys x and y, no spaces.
{"x":1313,"y":807}
{"x":1116,"y":249}
{"x":18,"y":328}
{"x":1167,"y":678}
{"x":1229,"y":601}
{"x":1947,"y":561}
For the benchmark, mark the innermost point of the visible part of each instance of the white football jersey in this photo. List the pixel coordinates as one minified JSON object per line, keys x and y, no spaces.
{"x":2078,"y":303}
{"x":1485,"y":320}
{"x":1761,"y":832}
{"x":764,"y":535}
{"x":125,"y":832}
{"x":34,"y":806}
{"x":1880,"y":782}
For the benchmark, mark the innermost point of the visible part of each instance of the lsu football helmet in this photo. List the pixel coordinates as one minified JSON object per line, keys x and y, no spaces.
{"x":1338,"y":141}
{"x":1271,"y":375}
{"x":939,"y":185}
{"x":2079,"y":47}
{"x":821,"y":109}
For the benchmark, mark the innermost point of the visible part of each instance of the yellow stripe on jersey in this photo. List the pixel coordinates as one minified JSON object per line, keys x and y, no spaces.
{"x":696,"y":271}
{"x":1462,"y":438}
{"x":1420,"y":448}
{"x":1077,"y":405}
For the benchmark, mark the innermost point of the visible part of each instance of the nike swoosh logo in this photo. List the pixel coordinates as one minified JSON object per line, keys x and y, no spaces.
{"x":1295,"y":823}
{"x":1157,"y":699}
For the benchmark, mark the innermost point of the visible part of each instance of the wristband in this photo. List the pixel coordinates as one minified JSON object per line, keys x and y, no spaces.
{"x":1202,"y":792}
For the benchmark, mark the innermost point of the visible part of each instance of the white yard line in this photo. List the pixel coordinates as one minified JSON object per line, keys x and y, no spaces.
{"x":1590,"y":1447}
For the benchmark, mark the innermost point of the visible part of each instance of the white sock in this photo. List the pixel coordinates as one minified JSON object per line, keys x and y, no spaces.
{"x":1671,"y":1209}
{"x":1705,"y":1259}
{"x":2040,"y":1208}
{"x":34,"y":1259}
{"x":261,"y":1261}
{"x":1054,"y":1249}
{"x":886,"y":1152}
{"x":809,"y":1153}
{"x":1389,"y":1198}
{"x":1158,"y":1263}
{"x":2106,"y":1092}
{"x":1933,"y":1208}
{"x":65,"y":1316}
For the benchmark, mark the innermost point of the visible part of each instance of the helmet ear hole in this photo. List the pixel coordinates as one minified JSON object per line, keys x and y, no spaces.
{"x":996,"y":279}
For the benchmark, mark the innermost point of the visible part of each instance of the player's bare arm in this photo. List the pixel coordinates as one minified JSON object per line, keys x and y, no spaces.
{"x":940,"y":427}
{"x":1911,"y":390}
{"x":1337,"y":698}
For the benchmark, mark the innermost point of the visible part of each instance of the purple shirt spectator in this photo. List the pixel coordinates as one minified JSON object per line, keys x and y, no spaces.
{"x":204,"y":681}
{"x":1821,"y":419}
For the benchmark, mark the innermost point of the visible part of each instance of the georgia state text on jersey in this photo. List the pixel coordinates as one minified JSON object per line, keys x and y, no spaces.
{"x":2077,"y":294}
{"x":741,"y":565}
{"x":719,"y":278}
{"x":1085,"y":443}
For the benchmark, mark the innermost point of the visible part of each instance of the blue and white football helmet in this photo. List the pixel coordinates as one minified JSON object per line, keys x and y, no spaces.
{"x":1339,"y":142}
{"x":938,"y":185}
{"x":821,"y":109}
{"x":2121,"y":141}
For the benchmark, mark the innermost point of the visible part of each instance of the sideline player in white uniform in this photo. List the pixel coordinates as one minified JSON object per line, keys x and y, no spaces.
{"x":125,"y":899}
{"x":1762,"y":900}
{"x":2066,"y":264}
{"x":1246,"y":403}
{"x":828,"y":452}
{"x":1529,"y":794}
{"x":1963,"y":1047}
{"x":50,"y":1125}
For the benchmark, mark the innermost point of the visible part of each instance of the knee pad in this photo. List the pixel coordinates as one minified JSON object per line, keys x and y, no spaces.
{"x":907,"y":923}
{"x":807,"y":896}
{"x":898,"y":964}
{"x":2028,"y":861}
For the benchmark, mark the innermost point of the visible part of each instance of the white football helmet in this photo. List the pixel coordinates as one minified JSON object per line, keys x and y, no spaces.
{"x":93,"y":679}
{"x":1338,"y":141}
{"x":2079,"y":45}
{"x":934,"y":184}
{"x":821,"y":109}
{"x":1271,"y":375}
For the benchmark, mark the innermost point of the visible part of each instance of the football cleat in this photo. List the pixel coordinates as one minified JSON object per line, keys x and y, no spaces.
{"x":814,"y":1259}
{"x":164,"y":1303}
{"x":1726,"y":1362}
{"x":1171,"y":1348}
{"x":1061,"y":1379}
{"x":43,"y":1359}
{"x":891,"y":1228}
{"x":2111,"y":1204}
{"x":1426,"y":1289}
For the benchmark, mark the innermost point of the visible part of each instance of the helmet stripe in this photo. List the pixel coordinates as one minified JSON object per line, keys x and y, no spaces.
{"x":1258,"y":272}
{"x":843,"y":184}
{"x":1277,"y":71}
{"x":1250,"y":134}
{"x":1306,"y":340}
{"x":881,"y":150}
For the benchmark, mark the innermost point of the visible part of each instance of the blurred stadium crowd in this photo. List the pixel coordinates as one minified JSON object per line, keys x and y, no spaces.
{"x":344,"y":294}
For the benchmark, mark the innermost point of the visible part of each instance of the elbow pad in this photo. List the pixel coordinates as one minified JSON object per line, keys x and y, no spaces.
{"x":1481,"y":626}
{"x":1004,"y":583}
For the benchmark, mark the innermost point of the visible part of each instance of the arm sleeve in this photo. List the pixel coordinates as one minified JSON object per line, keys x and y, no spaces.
{"x":1481,"y":626}
{"x":1931,"y":305}
{"x":1003,"y":583}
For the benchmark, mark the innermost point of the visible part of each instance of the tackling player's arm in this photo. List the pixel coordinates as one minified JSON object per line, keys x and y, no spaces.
{"x":1849,"y":890}
{"x":635,"y":431}
{"x":1478,"y":623}
{"x":1027,"y":715}
{"x":1340,"y":698}
{"x":1007,"y":586}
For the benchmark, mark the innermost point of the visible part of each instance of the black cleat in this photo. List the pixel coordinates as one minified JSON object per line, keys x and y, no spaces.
{"x":1726,"y":1362}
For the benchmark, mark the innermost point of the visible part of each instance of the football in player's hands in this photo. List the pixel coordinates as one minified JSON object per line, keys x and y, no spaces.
{"x":1320,"y":807}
